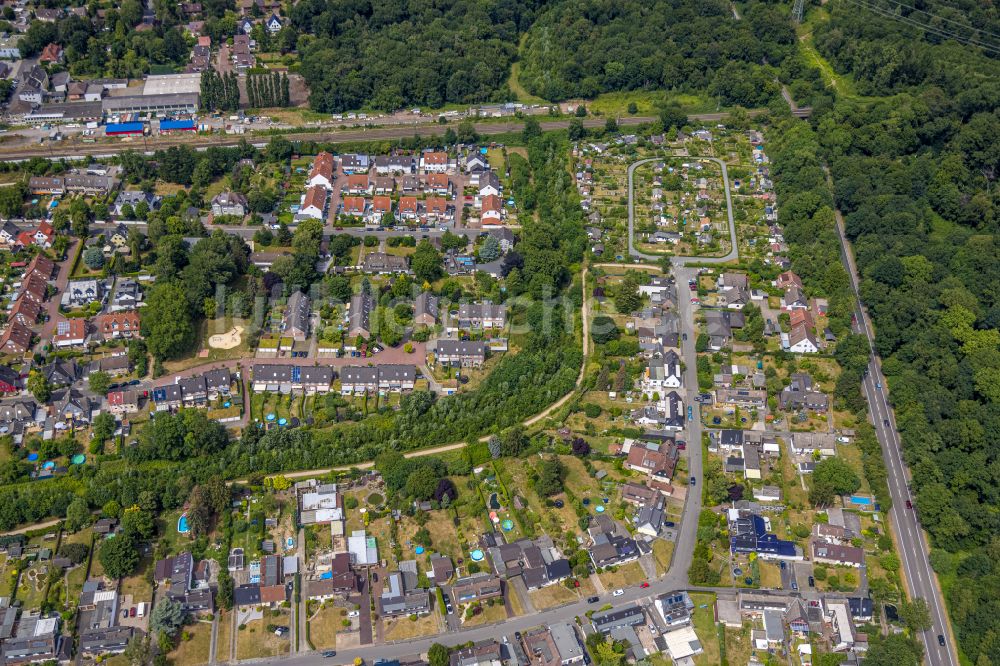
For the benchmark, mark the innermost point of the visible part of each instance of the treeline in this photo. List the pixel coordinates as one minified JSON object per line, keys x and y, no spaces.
{"x":914,"y":175}
{"x":390,"y":55}
{"x":581,"y":48}
{"x":219,"y":92}
{"x":268,"y":90}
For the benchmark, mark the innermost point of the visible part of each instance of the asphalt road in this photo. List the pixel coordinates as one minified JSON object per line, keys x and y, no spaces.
{"x":912,"y":545}
{"x":680,"y":261}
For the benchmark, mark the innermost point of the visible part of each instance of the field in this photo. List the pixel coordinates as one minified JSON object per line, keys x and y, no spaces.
{"x":255,"y":642}
{"x":194,"y":651}
{"x":403,"y":628}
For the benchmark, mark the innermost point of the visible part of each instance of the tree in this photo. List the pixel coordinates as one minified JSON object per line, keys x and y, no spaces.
{"x":94,"y":258}
{"x":611,"y":126}
{"x":671,"y":117}
{"x":138,"y":523}
{"x":39,"y":386}
{"x":426,"y":262}
{"x":422,"y":483}
{"x":581,"y":111}
{"x":551,"y":474}
{"x":99,"y":382}
{"x":138,"y":652}
{"x":576,"y":131}
{"x":494,"y":446}
{"x":103,"y":426}
{"x":438,"y":655}
{"x":77,"y":514}
{"x":627,"y":297}
{"x":532,"y":129}
{"x":119,"y":556}
{"x":513,"y":440}
{"x":490,"y":249}
{"x":168,"y":617}
{"x":167,"y":323}
{"x":603,"y":330}
{"x":915,"y":615}
{"x":837,"y":474}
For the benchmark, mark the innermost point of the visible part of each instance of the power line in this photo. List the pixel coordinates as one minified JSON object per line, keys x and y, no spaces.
{"x":934,"y":30}
{"x":964,"y":26}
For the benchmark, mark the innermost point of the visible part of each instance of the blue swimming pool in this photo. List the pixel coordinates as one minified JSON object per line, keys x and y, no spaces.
{"x":182,"y":524}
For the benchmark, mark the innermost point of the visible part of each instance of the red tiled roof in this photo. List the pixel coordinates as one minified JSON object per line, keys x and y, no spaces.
{"x":492,"y":202}
{"x":17,"y":338}
{"x":315,"y":196}
{"x":77,"y":329}
{"x":323,"y":166}
{"x":436,"y":158}
{"x":118,"y":321}
{"x":436,"y":205}
{"x":354,"y":205}
{"x":382,"y":204}
{"x":408,"y":204}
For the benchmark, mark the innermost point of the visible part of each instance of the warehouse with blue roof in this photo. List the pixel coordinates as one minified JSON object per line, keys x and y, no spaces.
{"x":123,"y":129}
{"x":178,"y":126}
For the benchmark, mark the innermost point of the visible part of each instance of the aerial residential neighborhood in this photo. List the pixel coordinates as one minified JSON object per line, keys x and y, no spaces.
{"x":479,"y":334}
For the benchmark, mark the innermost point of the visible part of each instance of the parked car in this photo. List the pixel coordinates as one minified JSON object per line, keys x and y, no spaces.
{"x":844,"y":440}
{"x":669,"y":523}
{"x":645,"y":584}
{"x":354,"y":614}
{"x":795,"y":586}
{"x":812,"y":582}
{"x":329,"y":653}
{"x":593,"y":600}
{"x":693,"y":480}
{"x":617,"y":593}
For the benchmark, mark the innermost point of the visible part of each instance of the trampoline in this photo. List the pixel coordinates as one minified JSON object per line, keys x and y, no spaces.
{"x":182,"y":524}
{"x":477,"y":555}
{"x":78,"y":459}
{"x":586,"y":501}
{"x":507,"y":525}
{"x":419,"y":550}
{"x":32,"y":457}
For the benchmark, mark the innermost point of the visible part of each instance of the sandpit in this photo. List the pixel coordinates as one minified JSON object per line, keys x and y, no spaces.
{"x":227,"y":340}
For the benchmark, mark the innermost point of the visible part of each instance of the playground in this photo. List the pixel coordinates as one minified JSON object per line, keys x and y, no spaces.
{"x":228,"y":340}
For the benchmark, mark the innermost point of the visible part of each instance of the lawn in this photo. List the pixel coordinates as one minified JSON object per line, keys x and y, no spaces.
{"x":738,"y":646}
{"x":195,"y":650}
{"x":137,"y":585}
{"x":626,"y":575}
{"x":31,"y":588}
{"x":704,"y":625}
{"x":553,"y":595}
{"x":255,"y":642}
{"x":662,"y":552}
{"x":770,"y":576}
{"x":490,"y":614}
{"x":444,"y":537}
{"x":323,"y":627}
{"x":224,"y":637}
{"x":403,"y":628}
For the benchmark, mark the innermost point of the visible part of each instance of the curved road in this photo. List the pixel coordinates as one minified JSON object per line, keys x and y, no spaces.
{"x":681,"y":261}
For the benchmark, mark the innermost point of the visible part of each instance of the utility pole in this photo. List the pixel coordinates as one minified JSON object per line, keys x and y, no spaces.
{"x":797,"y":10}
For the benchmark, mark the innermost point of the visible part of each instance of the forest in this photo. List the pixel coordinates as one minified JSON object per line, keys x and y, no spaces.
{"x":912,"y":166}
{"x":581,"y":48}
{"x":390,"y":55}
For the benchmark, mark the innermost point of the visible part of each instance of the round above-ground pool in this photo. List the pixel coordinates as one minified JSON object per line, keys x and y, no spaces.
{"x":270,"y":417}
{"x":79,"y":459}
{"x":599,"y":508}
{"x":507,"y":525}
{"x":182,"y":524}
{"x":32,"y":457}
{"x":477,"y":555}
{"x":48,"y":465}
{"x":227,"y":404}
{"x":282,"y":421}
{"x":419,"y":550}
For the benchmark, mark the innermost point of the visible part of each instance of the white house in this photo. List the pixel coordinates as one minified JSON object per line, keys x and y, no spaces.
{"x":662,"y":373}
{"x":801,"y":341}
{"x":314,"y":203}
